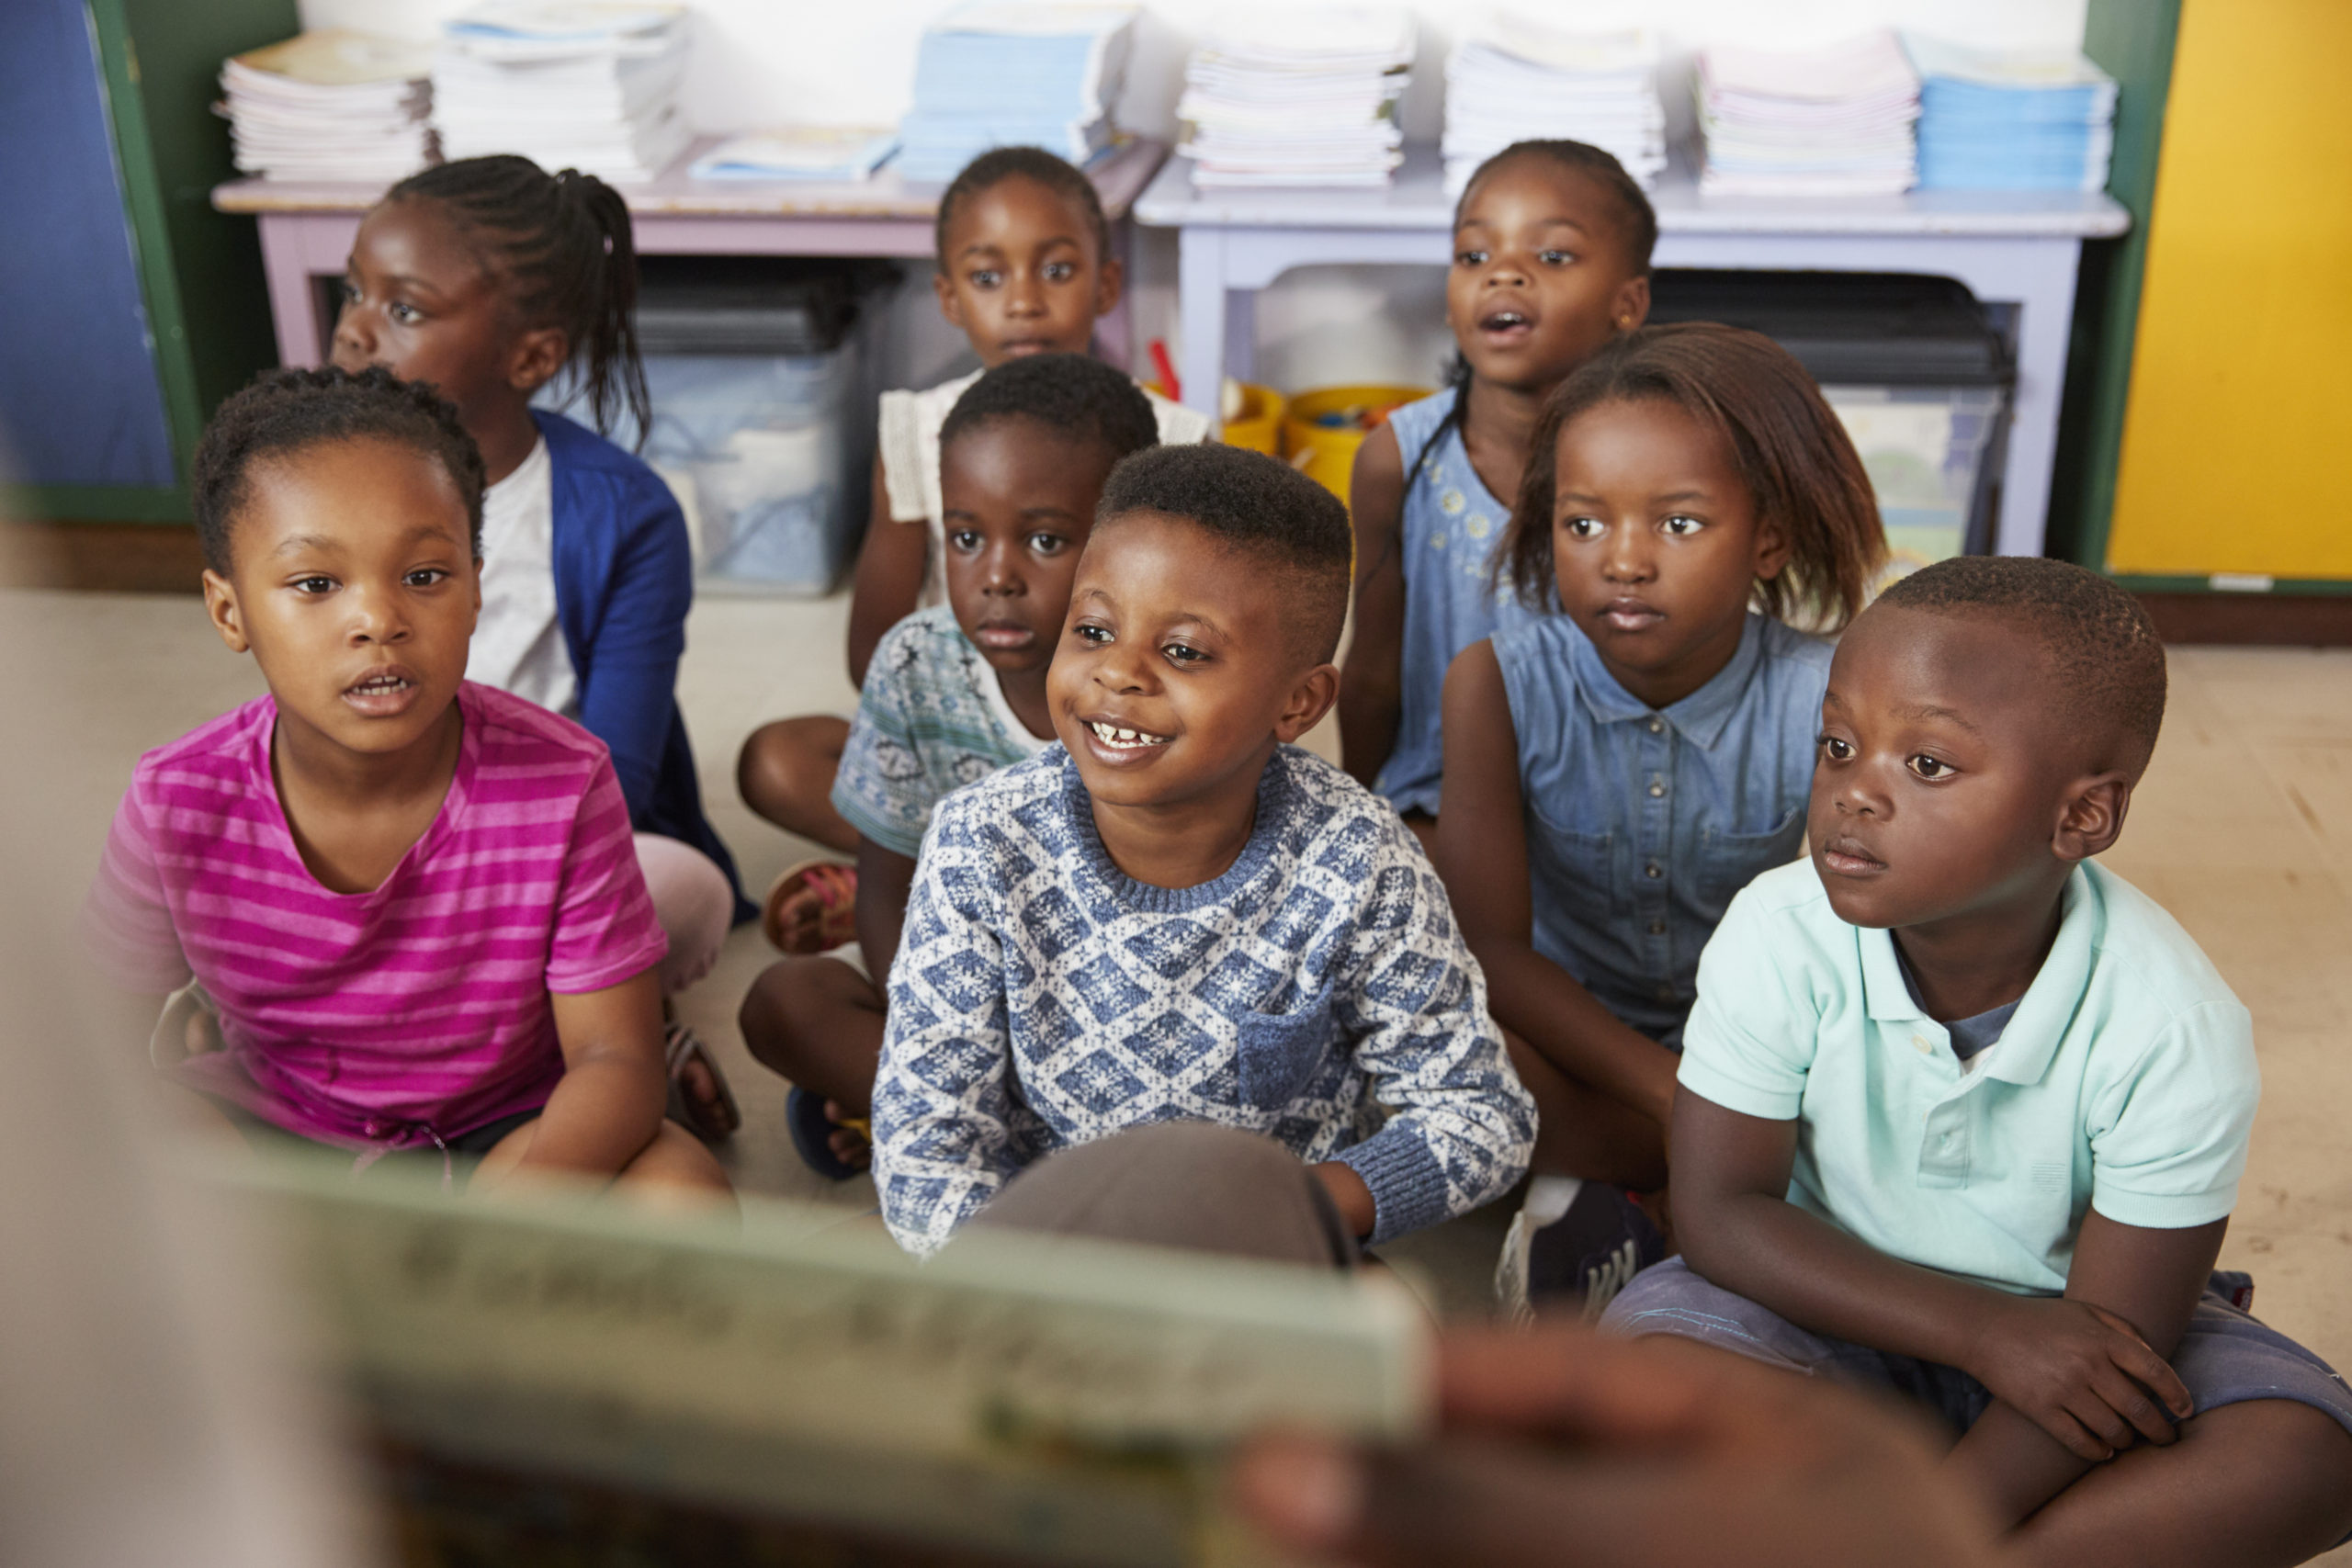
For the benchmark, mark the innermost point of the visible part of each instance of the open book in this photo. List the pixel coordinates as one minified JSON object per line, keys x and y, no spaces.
{"x":1020,"y":1398}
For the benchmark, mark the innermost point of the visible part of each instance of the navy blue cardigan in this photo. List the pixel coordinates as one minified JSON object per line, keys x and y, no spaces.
{"x":624,"y":581}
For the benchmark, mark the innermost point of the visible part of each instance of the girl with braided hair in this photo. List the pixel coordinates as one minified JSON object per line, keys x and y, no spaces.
{"x":489,"y":277}
{"x":1551,"y":260}
{"x":408,"y":904}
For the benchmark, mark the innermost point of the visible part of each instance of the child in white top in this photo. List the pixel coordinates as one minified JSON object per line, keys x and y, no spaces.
{"x":1024,"y":267}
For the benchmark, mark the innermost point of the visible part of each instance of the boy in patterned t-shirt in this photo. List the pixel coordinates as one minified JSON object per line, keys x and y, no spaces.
{"x":1176,"y":916}
{"x":954,"y":692}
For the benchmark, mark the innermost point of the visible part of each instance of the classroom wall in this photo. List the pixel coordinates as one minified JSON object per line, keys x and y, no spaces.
{"x":768,"y":61}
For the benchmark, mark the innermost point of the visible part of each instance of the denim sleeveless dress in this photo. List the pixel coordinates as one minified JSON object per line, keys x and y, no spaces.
{"x":1642,"y":823}
{"x":1450,"y":529}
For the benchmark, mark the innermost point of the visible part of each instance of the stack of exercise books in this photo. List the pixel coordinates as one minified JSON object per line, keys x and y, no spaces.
{"x":1297,"y":96}
{"x":1517,"y":77}
{"x":588,"y":84}
{"x":1016,"y":74}
{"x":2011,"y":122}
{"x":1836,"y":122}
{"x":818,"y":152}
{"x":330,"y":105}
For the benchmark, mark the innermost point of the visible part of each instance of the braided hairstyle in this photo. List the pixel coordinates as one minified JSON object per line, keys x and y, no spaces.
{"x":562,"y":247}
{"x":1785,"y":441}
{"x":1633,"y":209}
{"x":285,"y":411}
{"x":993,"y":168}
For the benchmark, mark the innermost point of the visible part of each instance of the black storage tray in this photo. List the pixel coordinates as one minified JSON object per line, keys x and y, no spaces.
{"x":1851,"y":329}
{"x":763,"y":305}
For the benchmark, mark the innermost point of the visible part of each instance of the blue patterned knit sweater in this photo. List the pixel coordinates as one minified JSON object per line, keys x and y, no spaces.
{"x":1318,"y":992}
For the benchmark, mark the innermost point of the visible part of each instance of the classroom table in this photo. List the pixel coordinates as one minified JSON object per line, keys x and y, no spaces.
{"x":2013,"y":248}
{"x":307,"y":226}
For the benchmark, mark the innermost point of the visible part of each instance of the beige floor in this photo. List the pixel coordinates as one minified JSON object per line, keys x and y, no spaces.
{"x":2242,"y":828}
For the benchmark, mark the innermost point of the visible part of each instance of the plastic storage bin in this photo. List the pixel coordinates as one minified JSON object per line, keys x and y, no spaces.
{"x":1916,"y":370}
{"x":1322,"y":429}
{"x":757,"y":386}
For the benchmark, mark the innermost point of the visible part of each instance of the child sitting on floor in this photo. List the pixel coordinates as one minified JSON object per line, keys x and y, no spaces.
{"x":1963,"y":1113}
{"x":1174,"y":914}
{"x":1552,"y":247}
{"x":1617,"y":770}
{"x":1024,"y":267}
{"x":412,"y":899}
{"x":955,"y":692}
{"x":489,"y":277}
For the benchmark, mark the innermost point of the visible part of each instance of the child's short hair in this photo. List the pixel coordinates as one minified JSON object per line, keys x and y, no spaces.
{"x":285,"y":412}
{"x":1786,"y":442}
{"x":995,"y":166}
{"x":1633,"y":202}
{"x":564,"y":245}
{"x":1074,"y":395}
{"x":1254,"y":504}
{"x":2107,"y":660}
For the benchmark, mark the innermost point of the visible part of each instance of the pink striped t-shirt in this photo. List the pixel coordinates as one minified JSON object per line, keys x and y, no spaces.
{"x":421,"y":1009}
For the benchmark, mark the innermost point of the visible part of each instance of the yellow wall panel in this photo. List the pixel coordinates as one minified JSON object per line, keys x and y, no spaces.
{"x":2237,"y":438}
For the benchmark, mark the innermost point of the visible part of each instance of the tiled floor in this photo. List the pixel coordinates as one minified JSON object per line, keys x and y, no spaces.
{"x":2242,"y":828}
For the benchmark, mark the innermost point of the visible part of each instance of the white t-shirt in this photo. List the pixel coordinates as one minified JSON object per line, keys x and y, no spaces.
{"x":909,"y":439}
{"x":517,"y":645}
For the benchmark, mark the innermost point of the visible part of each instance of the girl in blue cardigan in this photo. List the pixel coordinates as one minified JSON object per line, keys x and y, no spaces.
{"x":488,"y":277}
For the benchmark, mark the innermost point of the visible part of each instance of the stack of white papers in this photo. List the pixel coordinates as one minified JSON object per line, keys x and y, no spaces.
{"x":798,"y":152}
{"x":1517,"y":78}
{"x":1834,"y":122}
{"x":1297,"y":97}
{"x":1016,"y":74}
{"x":588,"y":85}
{"x":2011,"y":122}
{"x":330,"y":105}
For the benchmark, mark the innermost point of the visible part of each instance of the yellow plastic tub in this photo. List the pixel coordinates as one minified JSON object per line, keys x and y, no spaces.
{"x":1259,"y":426}
{"x":1322,"y":429}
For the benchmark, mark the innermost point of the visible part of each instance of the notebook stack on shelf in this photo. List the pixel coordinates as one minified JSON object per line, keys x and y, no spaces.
{"x":1297,"y":97}
{"x":798,"y":152}
{"x":330,"y":105}
{"x":1832,"y":122}
{"x":2011,"y":122}
{"x":1516,"y":78}
{"x":568,"y":84}
{"x":1016,"y":74}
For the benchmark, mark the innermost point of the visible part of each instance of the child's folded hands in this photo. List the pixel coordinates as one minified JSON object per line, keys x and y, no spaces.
{"x":2080,"y":1372}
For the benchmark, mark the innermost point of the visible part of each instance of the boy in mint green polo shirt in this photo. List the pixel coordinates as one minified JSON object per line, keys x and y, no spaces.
{"x":1963,"y":1113}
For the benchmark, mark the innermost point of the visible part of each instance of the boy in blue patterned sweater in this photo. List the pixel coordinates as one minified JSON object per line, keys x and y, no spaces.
{"x":1174,"y":914}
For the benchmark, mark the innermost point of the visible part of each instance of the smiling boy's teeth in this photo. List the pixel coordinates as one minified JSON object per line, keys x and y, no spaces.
{"x":1111,"y":735}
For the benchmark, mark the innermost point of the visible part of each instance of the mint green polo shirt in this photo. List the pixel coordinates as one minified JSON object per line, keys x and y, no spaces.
{"x":2125,"y":1082}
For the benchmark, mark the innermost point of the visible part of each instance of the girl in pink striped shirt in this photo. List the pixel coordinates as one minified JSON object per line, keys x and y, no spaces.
{"x":413,"y":900}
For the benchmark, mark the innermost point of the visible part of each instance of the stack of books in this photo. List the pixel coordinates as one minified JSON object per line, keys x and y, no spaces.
{"x":2011,"y":122}
{"x":568,"y":84}
{"x":816,"y":152}
{"x":1517,"y":78}
{"x":1016,"y":74}
{"x":1301,"y":96}
{"x":1837,"y":121}
{"x":330,"y":105}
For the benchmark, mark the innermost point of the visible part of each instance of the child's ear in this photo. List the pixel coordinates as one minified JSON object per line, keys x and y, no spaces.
{"x":1310,"y":698}
{"x":220,"y":606}
{"x":944,"y":288}
{"x":1631,"y":305}
{"x":1110,"y":282}
{"x":538,"y":355}
{"x":2091,"y":818}
{"x":1772,"y":549}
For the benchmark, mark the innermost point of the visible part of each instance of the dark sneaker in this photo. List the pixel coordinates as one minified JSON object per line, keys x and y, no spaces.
{"x":1574,"y":1241}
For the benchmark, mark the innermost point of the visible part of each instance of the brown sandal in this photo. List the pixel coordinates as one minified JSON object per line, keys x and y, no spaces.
{"x":833,"y":886}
